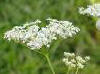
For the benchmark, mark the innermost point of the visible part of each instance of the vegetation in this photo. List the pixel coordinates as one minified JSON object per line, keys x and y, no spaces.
{"x":16,"y":58}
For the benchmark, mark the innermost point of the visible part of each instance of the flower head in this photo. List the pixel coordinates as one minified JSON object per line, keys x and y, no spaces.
{"x":74,"y":61}
{"x":35,"y":37}
{"x":93,"y":10}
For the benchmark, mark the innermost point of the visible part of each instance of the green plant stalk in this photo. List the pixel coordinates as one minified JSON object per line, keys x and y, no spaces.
{"x":50,"y":65}
{"x":48,"y":60}
{"x":68,"y":71}
{"x":76,"y":71}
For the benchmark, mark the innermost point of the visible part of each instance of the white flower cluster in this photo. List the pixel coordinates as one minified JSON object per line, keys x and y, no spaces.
{"x":93,"y":10}
{"x":73,"y":61}
{"x":35,"y":37}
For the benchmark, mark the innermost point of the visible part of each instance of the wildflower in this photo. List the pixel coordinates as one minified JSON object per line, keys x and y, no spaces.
{"x":93,"y":10}
{"x":73,"y":61}
{"x":87,"y":58}
{"x":35,"y":37}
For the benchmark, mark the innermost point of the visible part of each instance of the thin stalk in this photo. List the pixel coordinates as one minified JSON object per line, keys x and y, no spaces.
{"x":68,"y":70}
{"x":76,"y":71}
{"x":48,"y":60}
{"x":50,"y":65}
{"x":38,"y":52}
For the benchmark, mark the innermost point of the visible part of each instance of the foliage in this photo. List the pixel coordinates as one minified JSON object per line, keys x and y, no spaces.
{"x":18,"y":59}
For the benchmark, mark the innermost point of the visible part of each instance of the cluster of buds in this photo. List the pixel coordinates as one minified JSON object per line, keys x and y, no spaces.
{"x":73,"y":61}
{"x":35,"y":37}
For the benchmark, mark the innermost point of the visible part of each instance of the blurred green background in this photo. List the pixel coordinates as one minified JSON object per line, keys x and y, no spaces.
{"x":15,"y":58}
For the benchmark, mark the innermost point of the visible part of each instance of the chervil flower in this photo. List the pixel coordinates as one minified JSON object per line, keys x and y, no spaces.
{"x":35,"y":37}
{"x":93,"y":10}
{"x":73,"y":61}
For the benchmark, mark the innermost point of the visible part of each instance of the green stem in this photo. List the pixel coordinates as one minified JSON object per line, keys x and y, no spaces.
{"x":48,"y":60}
{"x":50,"y":65}
{"x":68,"y":70}
{"x":37,"y":52}
{"x":76,"y":71}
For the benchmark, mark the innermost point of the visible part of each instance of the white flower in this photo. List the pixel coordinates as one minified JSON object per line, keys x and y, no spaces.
{"x":35,"y":37}
{"x":73,"y":61}
{"x":80,"y":59}
{"x":79,"y":65}
{"x":32,"y":23}
{"x":93,"y":10}
{"x":87,"y":58}
{"x":69,"y":54}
